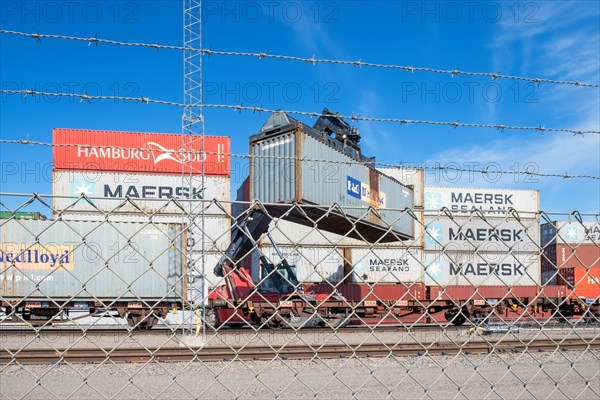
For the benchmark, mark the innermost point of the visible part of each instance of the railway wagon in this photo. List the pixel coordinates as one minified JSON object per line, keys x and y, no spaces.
{"x":49,"y":268}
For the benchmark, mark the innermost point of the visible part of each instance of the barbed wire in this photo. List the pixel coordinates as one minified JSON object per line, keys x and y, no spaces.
{"x":483,"y":171}
{"x":312,"y":60}
{"x":353,"y":117}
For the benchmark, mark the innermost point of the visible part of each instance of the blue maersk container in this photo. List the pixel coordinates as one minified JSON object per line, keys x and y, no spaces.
{"x":334,"y":187}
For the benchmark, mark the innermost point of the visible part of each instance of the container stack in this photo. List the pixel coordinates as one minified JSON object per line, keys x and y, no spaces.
{"x":149,"y":178}
{"x":321,"y":256}
{"x":473,"y":237}
{"x":293,"y":163}
{"x":572,"y":256}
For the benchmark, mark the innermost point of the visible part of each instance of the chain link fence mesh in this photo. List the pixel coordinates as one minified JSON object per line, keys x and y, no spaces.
{"x":115,"y":304}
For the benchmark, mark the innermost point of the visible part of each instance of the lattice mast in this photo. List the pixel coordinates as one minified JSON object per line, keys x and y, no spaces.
{"x":193,"y":125}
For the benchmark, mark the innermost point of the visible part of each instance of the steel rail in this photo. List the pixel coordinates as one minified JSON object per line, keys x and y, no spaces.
{"x":256,"y":353}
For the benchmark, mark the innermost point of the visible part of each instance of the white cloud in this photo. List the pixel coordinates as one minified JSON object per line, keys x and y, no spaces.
{"x":551,"y":153}
{"x":563,"y":44}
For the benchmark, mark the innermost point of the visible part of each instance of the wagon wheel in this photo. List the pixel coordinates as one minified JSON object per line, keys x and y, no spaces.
{"x":456,"y":317}
{"x":339,"y":321}
{"x":211,"y":318}
{"x":298,"y":321}
{"x":137,"y":321}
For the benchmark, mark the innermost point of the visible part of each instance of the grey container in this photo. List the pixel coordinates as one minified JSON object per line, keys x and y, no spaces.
{"x":100,"y":261}
{"x":469,"y":268}
{"x":571,"y":232}
{"x":489,"y":235}
{"x":293,"y":163}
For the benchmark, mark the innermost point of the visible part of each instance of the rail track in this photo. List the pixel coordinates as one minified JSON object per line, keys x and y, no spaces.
{"x":168,"y":330}
{"x":226,"y":353}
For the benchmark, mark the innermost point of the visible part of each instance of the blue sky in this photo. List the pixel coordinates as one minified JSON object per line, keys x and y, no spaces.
{"x":555,"y":40}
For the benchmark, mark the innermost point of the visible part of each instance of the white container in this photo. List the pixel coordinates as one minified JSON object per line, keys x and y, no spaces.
{"x":216,"y":229}
{"x":493,"y":202}
{"x":313,"y":265}
{"x":200,"y":277}
{"x":386,"y":265}
{"x":482,"y":269}
{"x":149,"y":193}
{"x":491,"y":234}
{"x":409,"y":177}
{"x":286,"y":233}
{"x":571,"y":232}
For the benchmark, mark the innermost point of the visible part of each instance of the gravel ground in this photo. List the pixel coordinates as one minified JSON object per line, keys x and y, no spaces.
{"x":539,"y":375}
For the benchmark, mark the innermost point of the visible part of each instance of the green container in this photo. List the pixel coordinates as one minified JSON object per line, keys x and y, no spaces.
{"x":21,"y":215}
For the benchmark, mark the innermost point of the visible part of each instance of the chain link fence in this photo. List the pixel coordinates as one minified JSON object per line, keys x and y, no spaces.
{"x":216,"y":299}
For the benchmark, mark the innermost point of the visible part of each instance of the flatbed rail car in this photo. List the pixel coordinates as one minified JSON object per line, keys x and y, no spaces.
{"x":329,"y":306}
{"x":50,"y":268}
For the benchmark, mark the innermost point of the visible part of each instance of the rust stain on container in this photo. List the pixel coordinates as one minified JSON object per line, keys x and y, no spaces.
{"x":298,"y":169}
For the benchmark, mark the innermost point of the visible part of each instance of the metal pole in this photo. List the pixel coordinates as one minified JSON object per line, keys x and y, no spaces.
{"x":193,"y":124}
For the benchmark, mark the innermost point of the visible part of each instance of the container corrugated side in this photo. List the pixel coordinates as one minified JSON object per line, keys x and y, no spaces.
{"x":242,"y":199}
{"x":313,"y":265}
{"x":159,"y":153}
{"x":147,"y":193}
{"x":215,"y":232}
{"x":21,"y":215}
{"x":409,"y":177}
{"x":587,"y":283}
{"x":115,"y":261}
{"x":491,"y":201}
{"x":482,"y":269}
{"x":491,"y":235}
{"x":549,"y":278}
{"x":385,"y":265}
{"x":376,"y":189}
{"x":325,"y":177}
{"x":583,"y":255}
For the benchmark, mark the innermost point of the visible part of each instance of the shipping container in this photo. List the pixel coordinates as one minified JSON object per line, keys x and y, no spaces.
{"x":414,"y":178}
{"x":585,"y":282}
{"x":242,"y":199}
{"x":202,"y":264}
{"x":292,"y":163}
{"x":482,"y":269}
{"x":492,"y":202}
{"x":288,"y":233}
{"x":549,"y":278}
{"x":216,"y":229}
{"x":159,"y":153}
{"x":491,"y":234}
{"x":385,"y":265}
{"x":312,"y":265}
{"x":146,"y":193}
{"x":573,"y":232}
{"x":21,"y":215}
{"x":56,"y":260}
{"x":579,"y":256}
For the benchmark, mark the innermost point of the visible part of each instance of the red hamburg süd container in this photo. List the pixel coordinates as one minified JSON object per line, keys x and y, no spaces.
{"x":140,"y":152}
{"x":585,"y":282}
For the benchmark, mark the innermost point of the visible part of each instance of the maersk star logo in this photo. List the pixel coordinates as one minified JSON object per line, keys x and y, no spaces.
{"x":433,"y":201}
{"x":433,"y":234}
{"x":434,"y":269}
{"x":80,"y":187}
{"x":572,"y":233}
